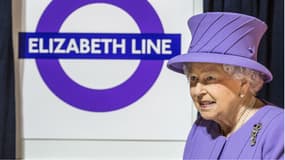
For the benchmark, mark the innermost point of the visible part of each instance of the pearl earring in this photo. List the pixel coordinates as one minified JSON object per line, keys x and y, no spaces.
{"x":241,"y":95}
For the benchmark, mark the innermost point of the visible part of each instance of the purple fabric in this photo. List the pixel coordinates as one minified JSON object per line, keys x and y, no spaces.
{"x":225,"y":38}
{"x":206,"y":142}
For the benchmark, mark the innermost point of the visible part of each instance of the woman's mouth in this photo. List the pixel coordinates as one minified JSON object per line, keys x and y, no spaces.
{"x":206,"y":104}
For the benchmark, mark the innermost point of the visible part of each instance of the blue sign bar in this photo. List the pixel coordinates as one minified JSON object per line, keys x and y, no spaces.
{"x":99,"y":46}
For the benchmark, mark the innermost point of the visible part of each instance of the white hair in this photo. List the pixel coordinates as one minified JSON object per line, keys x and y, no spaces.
{"x":254,"y":78}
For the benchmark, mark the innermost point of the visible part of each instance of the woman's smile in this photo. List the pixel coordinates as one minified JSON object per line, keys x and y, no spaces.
{"x":206,"y":104}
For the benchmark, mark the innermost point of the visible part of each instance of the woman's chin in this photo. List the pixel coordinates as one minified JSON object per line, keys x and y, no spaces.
{"x":207,"y":115}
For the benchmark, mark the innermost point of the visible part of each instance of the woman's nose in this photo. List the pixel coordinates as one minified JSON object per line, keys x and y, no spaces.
{"x":198,"y":90}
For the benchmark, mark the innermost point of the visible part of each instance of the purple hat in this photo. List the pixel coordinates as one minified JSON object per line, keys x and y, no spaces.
{"x":224,"y":38}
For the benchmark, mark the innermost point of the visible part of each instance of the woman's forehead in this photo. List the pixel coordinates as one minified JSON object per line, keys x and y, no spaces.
{"x":204,"y":67}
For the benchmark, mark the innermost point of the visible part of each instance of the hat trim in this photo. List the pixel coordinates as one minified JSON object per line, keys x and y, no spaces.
{"x":176,"y":63}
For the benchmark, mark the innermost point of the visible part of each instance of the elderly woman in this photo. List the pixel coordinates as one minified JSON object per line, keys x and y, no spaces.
{"x":224,"y":78}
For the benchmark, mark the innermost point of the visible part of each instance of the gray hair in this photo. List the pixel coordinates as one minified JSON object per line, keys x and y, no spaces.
{"x":254,"y":78}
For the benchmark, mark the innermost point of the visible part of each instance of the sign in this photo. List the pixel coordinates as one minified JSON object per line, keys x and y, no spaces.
{"x":96,"y":69}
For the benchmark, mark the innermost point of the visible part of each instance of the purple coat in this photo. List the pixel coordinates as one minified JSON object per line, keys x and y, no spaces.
{"x":251,"y":141}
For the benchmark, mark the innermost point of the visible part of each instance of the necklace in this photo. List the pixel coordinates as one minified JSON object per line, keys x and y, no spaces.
{"x":243,"y":117}
{"x":245,"y":113}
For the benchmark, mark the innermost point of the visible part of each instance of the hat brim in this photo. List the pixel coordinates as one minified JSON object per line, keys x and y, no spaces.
{"x":176,"y":63}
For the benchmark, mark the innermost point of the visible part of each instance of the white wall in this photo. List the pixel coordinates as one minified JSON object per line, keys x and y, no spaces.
{"x":39,"y":136}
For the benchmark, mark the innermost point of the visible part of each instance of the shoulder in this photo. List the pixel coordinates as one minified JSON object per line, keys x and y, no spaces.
{"x":272,"y":113}
{"x":274,"y":108}
{"x":272,"y":117}
{"x":273,"y":132}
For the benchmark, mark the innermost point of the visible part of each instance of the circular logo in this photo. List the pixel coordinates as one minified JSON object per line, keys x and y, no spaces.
{"x":99,"y":100}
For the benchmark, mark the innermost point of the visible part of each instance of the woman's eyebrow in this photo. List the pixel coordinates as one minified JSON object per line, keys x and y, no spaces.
{"x":211,"y":71}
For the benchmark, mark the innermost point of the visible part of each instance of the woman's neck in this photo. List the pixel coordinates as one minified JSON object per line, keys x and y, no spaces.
{"x":244,"y":114}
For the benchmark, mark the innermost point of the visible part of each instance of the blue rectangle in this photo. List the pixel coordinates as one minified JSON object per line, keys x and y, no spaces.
{"x":99,"y":46}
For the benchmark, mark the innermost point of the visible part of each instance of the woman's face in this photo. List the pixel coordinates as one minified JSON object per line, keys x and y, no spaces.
{"x":214,"y":92}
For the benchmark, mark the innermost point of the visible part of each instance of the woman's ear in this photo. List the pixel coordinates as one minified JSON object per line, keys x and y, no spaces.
{"x":244,"y":88}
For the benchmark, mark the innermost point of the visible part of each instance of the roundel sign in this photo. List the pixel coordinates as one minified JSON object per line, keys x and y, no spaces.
{"x":122,"y":95}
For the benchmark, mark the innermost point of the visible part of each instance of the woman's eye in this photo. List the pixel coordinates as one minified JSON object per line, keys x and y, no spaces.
{"x":193,"y":78}
{"x":210,"y":78}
